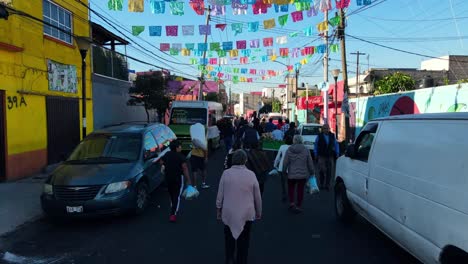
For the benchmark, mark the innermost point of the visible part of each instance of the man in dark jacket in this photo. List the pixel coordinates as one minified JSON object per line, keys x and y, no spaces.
{"x":258,"y":162}
{"x":250,"y":136}
{"x":326,"y":150}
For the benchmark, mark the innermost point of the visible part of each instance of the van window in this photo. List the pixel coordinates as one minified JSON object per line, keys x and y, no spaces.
{"x":150,"y":143}
{"x":364,"y":144}
{"x":188,"y":116}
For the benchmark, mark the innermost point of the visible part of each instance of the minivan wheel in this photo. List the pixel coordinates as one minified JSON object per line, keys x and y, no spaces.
{"x":141,"y":200}
{"x":343,"y":209}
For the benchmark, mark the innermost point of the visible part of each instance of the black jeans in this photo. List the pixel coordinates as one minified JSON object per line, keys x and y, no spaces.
{"x":242,"y":244}
{"x":175,"y":189}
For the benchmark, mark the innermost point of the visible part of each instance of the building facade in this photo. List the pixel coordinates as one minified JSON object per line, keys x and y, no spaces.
{"x":40,"y":84}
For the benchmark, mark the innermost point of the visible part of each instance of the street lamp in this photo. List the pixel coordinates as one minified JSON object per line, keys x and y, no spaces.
{"x":83,"y":43}
{"x":335,"y":73}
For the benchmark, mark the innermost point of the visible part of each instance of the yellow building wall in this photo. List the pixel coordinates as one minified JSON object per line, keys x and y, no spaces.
{"x":24,"y":77}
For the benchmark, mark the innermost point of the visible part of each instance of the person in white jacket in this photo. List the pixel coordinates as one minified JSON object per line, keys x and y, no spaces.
{"x":278,"y":164}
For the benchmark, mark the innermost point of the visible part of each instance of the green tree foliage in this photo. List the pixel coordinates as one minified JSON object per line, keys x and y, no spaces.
{"x":150,"y":91}
{"x":276,"y":106}
{"x":394,"y":83}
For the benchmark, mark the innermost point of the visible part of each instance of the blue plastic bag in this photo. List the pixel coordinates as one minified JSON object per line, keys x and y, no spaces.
{"x":190,"y":193}
{"x":312,"y":186}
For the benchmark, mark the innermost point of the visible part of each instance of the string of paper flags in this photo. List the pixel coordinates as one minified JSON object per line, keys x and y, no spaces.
{"x":239,"y":7}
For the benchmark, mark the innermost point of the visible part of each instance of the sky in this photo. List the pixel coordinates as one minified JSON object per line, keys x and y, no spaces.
{"x":427,"y":27}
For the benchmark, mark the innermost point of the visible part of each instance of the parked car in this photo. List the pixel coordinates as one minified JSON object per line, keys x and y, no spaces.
{"x":112,"y":170}
{"x":407,"y":175}
{"x":309,"y":132}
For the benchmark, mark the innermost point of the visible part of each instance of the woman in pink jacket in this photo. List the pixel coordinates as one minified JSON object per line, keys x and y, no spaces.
{"x":238,"y":204}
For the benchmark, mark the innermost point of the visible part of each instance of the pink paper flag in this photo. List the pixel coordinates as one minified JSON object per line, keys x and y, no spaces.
{"x":221,"y":26}
{"x":241,"y":44}
{"x":172,"y":31}
{"x":297,"y":16}
{"x":165,"y":46}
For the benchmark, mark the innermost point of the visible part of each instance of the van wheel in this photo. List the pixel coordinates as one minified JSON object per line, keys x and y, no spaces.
{"x":141,"y":200}
{"x":343,"y":209}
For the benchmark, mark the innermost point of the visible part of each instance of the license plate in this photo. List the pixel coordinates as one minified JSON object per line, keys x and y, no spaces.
{"x":74,"y":209}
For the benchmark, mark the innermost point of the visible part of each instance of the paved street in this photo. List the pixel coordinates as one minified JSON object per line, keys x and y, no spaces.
{"x":280,"y":237}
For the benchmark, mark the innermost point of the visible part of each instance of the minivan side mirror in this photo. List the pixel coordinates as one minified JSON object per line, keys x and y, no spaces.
{"x":350,"y":151}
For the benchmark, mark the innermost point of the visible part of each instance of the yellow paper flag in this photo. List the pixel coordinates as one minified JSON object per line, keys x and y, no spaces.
{"x":323,"y":26}
{"x":270,"y":23}
{"x":136,"y":5}
{"x":234,"y":53}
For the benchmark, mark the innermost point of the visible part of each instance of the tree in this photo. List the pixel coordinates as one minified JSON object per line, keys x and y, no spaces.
{"x":394,"y":83}
{"x":213,"y":97}
{"x":276,"y":107}
{"x":150,"y":90}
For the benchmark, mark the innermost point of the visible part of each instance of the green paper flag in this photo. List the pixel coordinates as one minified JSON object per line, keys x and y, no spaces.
{"x":335,"y":21}
{"x":222,"y":53}
{"x":136,"y":30}
{"x":294,"y":34}
{"x":282,"y":20}
{"x":214,"y":46}
{"x":174,"y":52}
{"x":115,"y":5}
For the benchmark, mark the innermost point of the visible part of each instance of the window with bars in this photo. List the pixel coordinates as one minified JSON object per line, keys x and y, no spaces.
{"x":60,"y":19}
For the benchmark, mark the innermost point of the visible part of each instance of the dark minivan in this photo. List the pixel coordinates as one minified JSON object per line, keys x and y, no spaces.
{"x":111,"y":171}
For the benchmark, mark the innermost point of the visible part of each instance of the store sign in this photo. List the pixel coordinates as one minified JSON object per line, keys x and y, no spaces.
{"x":62,"y":77}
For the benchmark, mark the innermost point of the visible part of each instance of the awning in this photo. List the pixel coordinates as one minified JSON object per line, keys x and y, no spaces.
{"x":311,"y":103}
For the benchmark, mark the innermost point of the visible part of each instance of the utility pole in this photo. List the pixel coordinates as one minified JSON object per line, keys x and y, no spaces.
{"x":357,"y":70}
{"x":325,"y":72}
{"x":202,"y":75}
{"x":344,"y":71}
{"x":230,"y":99}
{"x":295,"y":96}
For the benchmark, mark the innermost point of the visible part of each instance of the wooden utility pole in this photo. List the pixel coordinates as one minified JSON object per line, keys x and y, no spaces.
{"x":357,"y":70}
{"x":325,"y":72}
{"x":344,"y":71}
{"x":202,"y":75}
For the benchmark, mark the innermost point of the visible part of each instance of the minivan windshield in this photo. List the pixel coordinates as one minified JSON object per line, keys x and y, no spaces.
{"x":310,"y":130}
{"x":107,"y":148}
{"x":188,"y":116}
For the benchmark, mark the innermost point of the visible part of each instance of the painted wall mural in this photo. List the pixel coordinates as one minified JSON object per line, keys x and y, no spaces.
{"x":452,"y":98}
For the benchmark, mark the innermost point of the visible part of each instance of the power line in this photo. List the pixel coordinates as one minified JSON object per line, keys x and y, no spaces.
{"x":415,"y":20}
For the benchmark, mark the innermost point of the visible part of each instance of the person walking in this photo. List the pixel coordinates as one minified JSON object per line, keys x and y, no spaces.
{"x":175,"y":165}
{"x":326,"y":149}
{"x":228,"y":160}
{"x":258,"y":162}
{"x":250,"y":136}
{"x":298,"y":167}
{"x":278,"y":164}
{"x":269,"y":127}
{"x":238,"y":204}
{"x":228,"y":133}
{"x":285,"y":126}
{"x":280,"y":123}
{"x":198,"y":160}
{"x":289,"y":134}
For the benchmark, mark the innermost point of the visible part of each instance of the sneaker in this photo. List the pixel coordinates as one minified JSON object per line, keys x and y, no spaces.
{"x":298,"y":210}
{"x":172,"y":218}
{"x":205,"y":186}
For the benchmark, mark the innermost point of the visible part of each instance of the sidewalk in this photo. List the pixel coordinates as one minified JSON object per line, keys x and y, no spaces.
{"x":20,"y":201}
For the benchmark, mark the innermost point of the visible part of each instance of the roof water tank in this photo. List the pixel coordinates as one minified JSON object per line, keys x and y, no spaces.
{"x":427,"y":82}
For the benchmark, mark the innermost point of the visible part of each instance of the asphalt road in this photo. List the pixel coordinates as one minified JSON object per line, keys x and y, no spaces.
{"x":280,"y":237}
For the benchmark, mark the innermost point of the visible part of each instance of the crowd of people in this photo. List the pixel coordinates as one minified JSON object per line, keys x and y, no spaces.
{"x":246,"y":168}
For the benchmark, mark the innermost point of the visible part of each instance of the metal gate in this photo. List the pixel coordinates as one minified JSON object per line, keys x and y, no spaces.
{"x":63,"y":127}
{"x":3,"y":149}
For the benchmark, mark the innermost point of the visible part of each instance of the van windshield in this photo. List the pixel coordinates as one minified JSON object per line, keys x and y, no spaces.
{"x":106,"y":148}
{"x":188,"y":116}
{"x":310,"y":130}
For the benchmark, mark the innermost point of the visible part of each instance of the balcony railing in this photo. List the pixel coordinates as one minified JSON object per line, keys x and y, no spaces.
{"x":110,"y":63}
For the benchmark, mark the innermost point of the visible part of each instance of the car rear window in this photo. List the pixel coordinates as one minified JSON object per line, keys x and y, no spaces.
{"x":310,"y":130}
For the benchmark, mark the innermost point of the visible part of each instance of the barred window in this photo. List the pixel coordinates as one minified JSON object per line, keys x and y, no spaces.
{"x":59,"y":18}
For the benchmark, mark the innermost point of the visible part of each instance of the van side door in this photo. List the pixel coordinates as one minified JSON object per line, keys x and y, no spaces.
{"x":358,"y":165}
{"x":151,"y":157}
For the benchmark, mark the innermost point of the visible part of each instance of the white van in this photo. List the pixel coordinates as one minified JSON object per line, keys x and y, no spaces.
{"x":408,"y":176}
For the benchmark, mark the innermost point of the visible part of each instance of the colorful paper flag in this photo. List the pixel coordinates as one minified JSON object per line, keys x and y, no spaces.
{"x":198,"y":6}
{"x":260,"y":7}
{"x":218,"y":10}
{"x":214,"y":46}
{"x":202,"y":46}
{"x":177,"y":46}
{"x":294,"y":34}
{"x":221,"y":26}
{"x":325,"y":5}
{"x":174,"y":52}
{"x":227,"y":45}
{"x":297,"y":16}
{"x":246,"y":52}
{"x":322,"y":26}
{"x":177,"y":8}
{"x":334,"y":48}
{"x":237,"y":28}
{"x":267,"y":42}
{"x":241,"y":44}
{"x":115,"y":5}
{"x":188,"y":30}
{"x":233,"y":53}
{"x":284,"y":52}
{"x":363,"y":2}
{"x":157,"y":7}
{"x":164,"y":46}
{"x":282,"y":40}
{"x":302,"y":6}
{"x":190,"y":46}
{"x":193,"y":61}
{"x":282,"y":20}
{"x":269,"y":23}
{"x":185,"y":52}
{"x":281,"y":8}
{"x":308,"y":31}
{"x":155,"y":31}
{"x":204,"y":29}
{"x":172,"y":31}
{"x":253,"y":26}
{"x":136,"y":6}
{"x":312,"y":11}
{"x":340,"y":4}
{"x":222,"y":53}
{"x":254,"y":43}
{"x":335,"y":21}
{"x":137,"y":30}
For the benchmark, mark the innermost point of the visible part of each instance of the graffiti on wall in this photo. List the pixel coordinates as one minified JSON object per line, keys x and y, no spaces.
{"x":452,"y":98}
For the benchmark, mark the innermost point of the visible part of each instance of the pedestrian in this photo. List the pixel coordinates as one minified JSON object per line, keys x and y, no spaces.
{"x":298,"y":167}
{"x":269,"y":127}
{"x":258,"y":162}
{"x":250,"y":136}
{"x":238,"y":204}
{"x":289,"y":134}
{"x":263,"y":124}
{"x":280,"y":123}
{"x":326,"y":150}
{"x":228,"y":160}
{"x":228,"y":133}
{"x":198,"y":160}
{"x":278,"y":164}
{"x":285,"y":126}
{"x":277,"y":134}
{"x":175,"y":165}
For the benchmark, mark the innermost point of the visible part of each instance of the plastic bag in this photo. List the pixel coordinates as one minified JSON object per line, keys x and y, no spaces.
{"x":190,"y":193}
{"x":312,"y":186}
{"x":273,"y":172}
{"x":198,"y":135}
